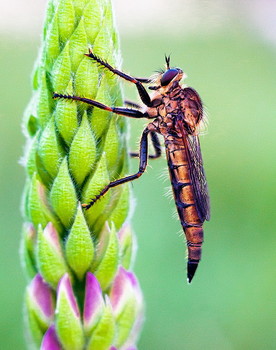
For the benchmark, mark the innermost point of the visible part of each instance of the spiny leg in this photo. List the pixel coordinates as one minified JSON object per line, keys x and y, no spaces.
{"x":127,"y":112}
{"x":115,"y":71}
{"x":142,"y":167}
{"x":156,"y":145}
{"x":132,"y":104}
{"x":137,"y":81}
{"x":144,"y":80}
{"x":154,"y":138}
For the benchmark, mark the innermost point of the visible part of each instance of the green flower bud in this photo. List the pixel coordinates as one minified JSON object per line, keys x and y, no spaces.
{"x":106,"y":269}
{"x":50,"y":259}
{"x":66,"y":120}
{"x":127,"y":303}
{"x":31,"y":161}
{"x":66,"y":19}
{"x":100,"y":119}
{"x":93,"y":186}
{"x":87,"y":78}
{"x":79,"y":246}
{"x":63,"y":195}
{"x":104,"y":333}
{"x":68,"y":322}
{"x":62,"y":70}
{"x":82,"y":151}
{"x":120,"y":212}
{"x":36,"y":193}
{"x":38,"y":205}
{"x":127,"y":244}
{"x":49,"y":149}
{"x":28,"y":249}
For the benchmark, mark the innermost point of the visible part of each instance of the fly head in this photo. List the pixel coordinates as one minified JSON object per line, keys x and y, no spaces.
{"x":166,"y":78}
{"x":170,"y":75}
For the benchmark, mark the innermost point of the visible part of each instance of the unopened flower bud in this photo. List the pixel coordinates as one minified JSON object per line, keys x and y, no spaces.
{"x":50,"y":340}
{"x":126,"y":301}
{"x":50,"y":258}
{"x":40,"y":307}
{"x":93,"y":303}
{"x":68,"y":323}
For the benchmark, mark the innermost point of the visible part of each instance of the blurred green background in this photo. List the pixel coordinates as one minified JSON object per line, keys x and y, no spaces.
{"x":231,"y":303}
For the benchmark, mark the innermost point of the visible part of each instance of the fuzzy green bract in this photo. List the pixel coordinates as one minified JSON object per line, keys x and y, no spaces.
{"x":73,"y":257}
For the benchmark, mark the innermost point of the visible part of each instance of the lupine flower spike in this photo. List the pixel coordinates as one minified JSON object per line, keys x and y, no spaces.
{"x":81,"y":293}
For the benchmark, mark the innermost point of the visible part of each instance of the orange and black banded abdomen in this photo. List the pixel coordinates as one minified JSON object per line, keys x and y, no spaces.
{"x":185,"y":201}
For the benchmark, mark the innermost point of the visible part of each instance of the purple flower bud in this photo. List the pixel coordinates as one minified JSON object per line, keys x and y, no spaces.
{"x":51,"y":234}
{"x":124,"y":232}
{"x":30,"y":234}
{"x":50,"y":340}
{"x":125,"y":286}
{"x":65,"y":289}
{"x":28,"y":248}
{"x":40,"y":300}
{"x":68,"y":324}
{"x":132,"y":347}
{"x":126,"y":301}
{"x":93,"y":303}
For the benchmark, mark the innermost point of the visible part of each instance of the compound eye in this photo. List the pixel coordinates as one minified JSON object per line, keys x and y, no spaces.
{"x":168,"y":76}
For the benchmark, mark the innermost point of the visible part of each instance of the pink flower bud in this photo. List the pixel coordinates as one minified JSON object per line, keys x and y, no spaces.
{"x":93,"y":303}
{"x":50,"y":340}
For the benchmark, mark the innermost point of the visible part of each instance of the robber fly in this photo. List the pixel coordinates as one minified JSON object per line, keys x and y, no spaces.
{"x":177,"y":115}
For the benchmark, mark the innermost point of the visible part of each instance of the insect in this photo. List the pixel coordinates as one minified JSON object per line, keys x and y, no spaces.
{"x":177,"y":115}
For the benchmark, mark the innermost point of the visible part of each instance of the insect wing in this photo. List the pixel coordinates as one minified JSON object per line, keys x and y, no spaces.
{"x":198,"y":177}
{"x":196,"y":172}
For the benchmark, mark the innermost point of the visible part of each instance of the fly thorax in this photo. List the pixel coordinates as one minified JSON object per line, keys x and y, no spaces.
{"x":166,"y":90}
{"x":165,"y":125}
{"x":191,"y":115}
{"x":152,"y":112}
{"x":156,"y":102}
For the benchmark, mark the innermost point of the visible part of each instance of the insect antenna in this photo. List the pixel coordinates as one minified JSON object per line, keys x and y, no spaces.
{"x":167,"y":59}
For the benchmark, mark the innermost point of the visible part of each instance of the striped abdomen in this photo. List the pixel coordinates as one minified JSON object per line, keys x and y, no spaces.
{"x":185,"y":200}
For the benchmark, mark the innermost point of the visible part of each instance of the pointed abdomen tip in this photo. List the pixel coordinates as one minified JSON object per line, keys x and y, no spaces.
{"x":191,"y":269}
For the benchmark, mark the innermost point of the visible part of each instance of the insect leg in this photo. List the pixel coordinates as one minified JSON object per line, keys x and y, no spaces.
{"x":156,"y":146}
{"x":144,"y":80}
{"x":127,"y":112}
{"x":154,"y":138}
{"x":132,"y":104}
{"x":137,"y":81}
{"x":142,"y":167}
